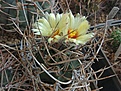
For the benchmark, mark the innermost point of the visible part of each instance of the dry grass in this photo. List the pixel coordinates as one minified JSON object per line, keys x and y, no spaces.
{"x":20,"y":67}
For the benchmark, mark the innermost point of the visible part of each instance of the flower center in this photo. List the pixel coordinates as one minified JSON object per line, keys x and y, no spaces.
{"x":72,"y":33}
{"x":55,"y":33}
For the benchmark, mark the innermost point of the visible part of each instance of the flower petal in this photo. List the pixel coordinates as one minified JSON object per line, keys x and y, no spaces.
{"x":71,"y":40}
{"x":57,"y":38}
{"x":83,"y":27}
{"x":44,"y":22}
{"x":63,"y":21}
{"x":40,"y":26}
{"x":52,"y":20}
{"x":38,"y":32}
{"x":58,"y":18}
{"x":72,"y":22}
{"x":57,"y":27}
{"x":35,"y":30}
{"x":78,"y":20}
{"x":50,"y":40}
{"x":84,"y":38}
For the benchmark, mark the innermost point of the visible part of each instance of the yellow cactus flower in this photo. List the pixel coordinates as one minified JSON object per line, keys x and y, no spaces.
{"x":51,"y":26}
{"x":73,"y":29}
{"x":77,"y":30}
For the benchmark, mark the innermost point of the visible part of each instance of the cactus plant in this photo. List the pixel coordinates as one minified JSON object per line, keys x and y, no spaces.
{"x":55,"y":51}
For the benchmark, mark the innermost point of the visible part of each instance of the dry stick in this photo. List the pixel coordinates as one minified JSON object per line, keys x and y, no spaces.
{"x":2,"y":79}
{"x":55,"y":7}
{"x":42,"y":67}
{"x":108,"y":22}
{"x":103,"y":78}
{"x":83,"y":81}
{"x":7,"y":46}
{"x":106,"y":68}
{"x":118,"y":52}
{"x":58,"y":52}
{"x":52,"y":5}
{"x":8,"y":63}
{"x":87,"y":85}
{"x":11,"y":55}
{"x":66,"y":61}
{"x":15,"y":58}
{"x":14,"y":75}
{"x":111,"y":66}
{"x":98,"y":89}
{"x":46,"y":47}
{"x":39,"y":7}
{"x":48,"y":72}
{"x":113,"y":23}
{"x":25,"y":13}
{"x":111,"y":15}
{"x":92,"y":77}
